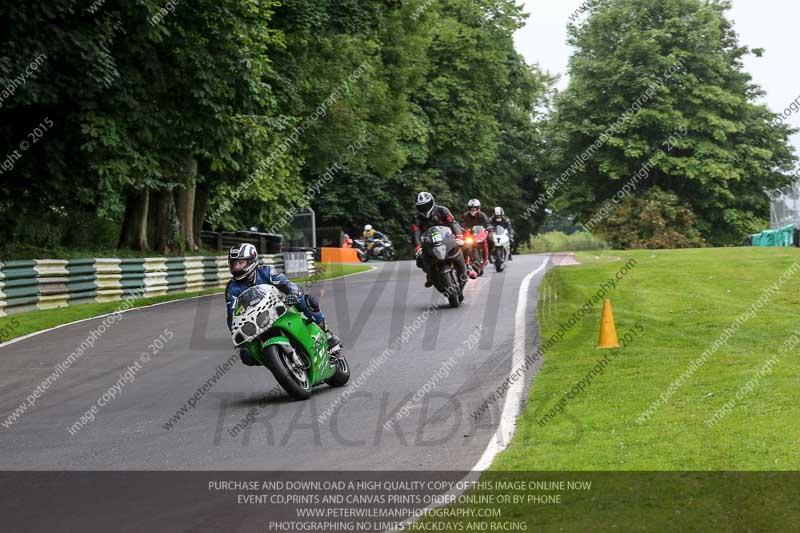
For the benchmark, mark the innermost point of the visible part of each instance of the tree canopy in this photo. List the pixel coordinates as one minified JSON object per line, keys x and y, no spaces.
{"x":170,"y":118}
{"x":647,"y":69}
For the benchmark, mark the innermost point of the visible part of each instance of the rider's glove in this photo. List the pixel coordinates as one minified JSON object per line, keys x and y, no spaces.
{"x":460,"y":240}
{"x":418,"y":251}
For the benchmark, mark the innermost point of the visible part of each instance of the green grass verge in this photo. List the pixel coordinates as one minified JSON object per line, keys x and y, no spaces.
{"x":25,"y":323}
{"x":673,"y":305}
{"x":676,"y":304}
{"x":334,"y":270}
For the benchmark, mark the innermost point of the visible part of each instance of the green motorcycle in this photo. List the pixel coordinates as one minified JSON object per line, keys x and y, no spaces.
{"x":283,"y":339}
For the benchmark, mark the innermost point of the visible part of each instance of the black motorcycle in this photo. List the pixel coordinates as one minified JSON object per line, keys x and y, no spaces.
{"x":441,"y":249}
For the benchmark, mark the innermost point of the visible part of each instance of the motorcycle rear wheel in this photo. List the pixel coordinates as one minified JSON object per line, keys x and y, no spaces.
{"x":287,"y":367}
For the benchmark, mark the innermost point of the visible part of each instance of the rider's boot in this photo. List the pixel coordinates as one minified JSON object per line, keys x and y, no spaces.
{"x":334,"y":343}
{"x":428,"y":281}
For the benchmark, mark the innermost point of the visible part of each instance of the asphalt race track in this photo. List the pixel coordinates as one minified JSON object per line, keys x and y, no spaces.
{"x":462,"y":354}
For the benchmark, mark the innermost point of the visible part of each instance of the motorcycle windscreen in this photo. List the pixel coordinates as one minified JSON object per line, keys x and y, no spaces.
{"x":250,"y":298}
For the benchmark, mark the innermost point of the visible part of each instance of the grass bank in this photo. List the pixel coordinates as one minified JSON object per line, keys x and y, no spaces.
{"x":691,"y":425}
{"x":704,"y":328}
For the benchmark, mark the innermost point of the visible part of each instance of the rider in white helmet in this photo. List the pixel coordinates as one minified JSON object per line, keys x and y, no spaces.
{"x":370,"y":236}
{"x":500,"y":219}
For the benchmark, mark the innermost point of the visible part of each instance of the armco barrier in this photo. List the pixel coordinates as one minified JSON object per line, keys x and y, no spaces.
{"x":49,"y":283}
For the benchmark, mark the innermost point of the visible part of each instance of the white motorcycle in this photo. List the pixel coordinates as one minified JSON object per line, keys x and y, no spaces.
{"x":502,"y":248}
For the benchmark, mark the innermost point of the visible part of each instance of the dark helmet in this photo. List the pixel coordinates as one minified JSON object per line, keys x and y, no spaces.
{"x":425,"y":204}
{"x":242,"y":260}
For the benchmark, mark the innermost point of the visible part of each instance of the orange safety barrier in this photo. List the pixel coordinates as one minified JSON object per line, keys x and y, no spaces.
{"x":339,"y":255}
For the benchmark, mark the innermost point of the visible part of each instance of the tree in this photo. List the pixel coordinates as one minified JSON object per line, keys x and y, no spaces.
{"x":645,"y":69}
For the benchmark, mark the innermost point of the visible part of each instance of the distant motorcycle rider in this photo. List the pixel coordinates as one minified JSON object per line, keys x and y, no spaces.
{"x":475,"y":217}
{"x":499,"y":218}
{"x":370,"y":236}
{"x":429,"y":215}
{"x":243,"y":264}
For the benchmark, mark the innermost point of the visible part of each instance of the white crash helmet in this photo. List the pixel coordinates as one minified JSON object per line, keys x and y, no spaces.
{"x":425,"y":204}
{"x":474,"y":204}
{"x":498,"y":212}
{"x":368,"y":227}
{"x":242,"y":252}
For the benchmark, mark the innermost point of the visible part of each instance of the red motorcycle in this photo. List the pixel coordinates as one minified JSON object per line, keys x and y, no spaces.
{"x":476,"y":248}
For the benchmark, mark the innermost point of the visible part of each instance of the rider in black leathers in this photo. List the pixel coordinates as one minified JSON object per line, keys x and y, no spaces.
{"x":428,"y":215}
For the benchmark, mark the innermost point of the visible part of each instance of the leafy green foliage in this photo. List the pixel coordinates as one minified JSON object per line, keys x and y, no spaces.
{"x":653,"y":219}
{"x":684,"y":56}
{"x":558,"y":241}
{"x":264,"y":98}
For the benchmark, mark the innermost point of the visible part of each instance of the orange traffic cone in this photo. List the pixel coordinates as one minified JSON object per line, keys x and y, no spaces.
{"x":608,"y":332}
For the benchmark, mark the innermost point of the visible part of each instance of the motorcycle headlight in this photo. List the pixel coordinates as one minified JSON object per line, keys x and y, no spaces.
{"x":263,"y":319}
{"x":249,"y":329}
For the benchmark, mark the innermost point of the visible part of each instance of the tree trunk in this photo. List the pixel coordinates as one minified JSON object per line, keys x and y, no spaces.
{"x":134,"y":226}
{"x":184,"y":205}
{"x":165,"y":221}
{"x":200,"y":207}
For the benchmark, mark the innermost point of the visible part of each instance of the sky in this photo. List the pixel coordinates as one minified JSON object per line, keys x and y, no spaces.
{"x":768,"y":24}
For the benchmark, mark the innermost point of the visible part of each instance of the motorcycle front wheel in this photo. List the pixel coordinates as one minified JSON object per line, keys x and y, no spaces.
{"x":453,"y":291}
{"x":500,"y":259}
{"x":342,"y":375}
{"x":289,"y":369}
